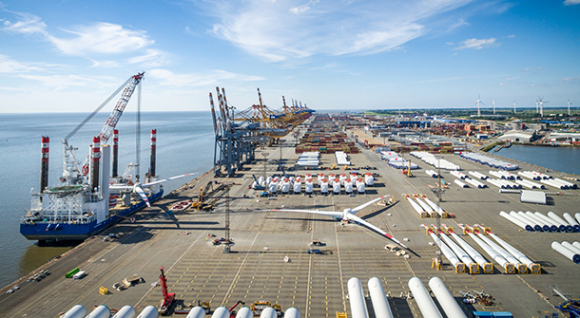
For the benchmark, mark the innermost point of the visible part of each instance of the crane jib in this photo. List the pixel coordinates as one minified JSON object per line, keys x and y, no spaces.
{"x":113,"y":119}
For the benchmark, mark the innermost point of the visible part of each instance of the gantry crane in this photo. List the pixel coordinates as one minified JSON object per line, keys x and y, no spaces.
{"x":235,"y":143}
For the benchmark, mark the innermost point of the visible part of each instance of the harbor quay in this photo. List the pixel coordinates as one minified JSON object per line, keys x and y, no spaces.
{"x":270,"y":260}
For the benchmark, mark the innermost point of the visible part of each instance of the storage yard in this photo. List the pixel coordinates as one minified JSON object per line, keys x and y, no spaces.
{"x":272,"y":260}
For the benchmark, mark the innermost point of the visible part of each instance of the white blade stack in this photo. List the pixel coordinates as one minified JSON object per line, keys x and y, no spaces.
{"x":560,"y":227}
{"x":535,"y":268}
{"x":487,"y":267}
{"x":525,"y":220}
{"x":416,"y":207}
{"x":425,"y":206}
{"x":509,"y":257}
{"x":569,"y":227}
{"x":358,"y":305}
{"x":423,"y":299}
{"x":458,"y":250}
{"x":534,"y":220}
{"x":496,"y":256}
{"x":517,"y":222}
{"x":445,"y":299}
{"x":572,"y":222}
{"x":459,"y":266}
{"x":435,"y":207}
{"x":379,"y":299}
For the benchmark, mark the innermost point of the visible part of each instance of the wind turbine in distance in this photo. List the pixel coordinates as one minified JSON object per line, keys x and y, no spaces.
{"x":541,"y":100}
{"x":478,"y":102}
{"x":493,"y":106}
{"x":568,"y":107}
{"x":514,"y":106}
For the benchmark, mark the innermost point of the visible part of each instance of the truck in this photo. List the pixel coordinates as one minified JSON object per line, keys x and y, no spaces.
{"x":80,"y":275}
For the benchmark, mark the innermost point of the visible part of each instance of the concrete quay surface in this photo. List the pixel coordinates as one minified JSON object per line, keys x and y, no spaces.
{"x":314,"y":284}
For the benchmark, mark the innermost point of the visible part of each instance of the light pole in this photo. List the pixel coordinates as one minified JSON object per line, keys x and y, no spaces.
{"x":265,"y":160}
{"x":280,"y":162}
{"x":227,"y":245}
{"x":439,"y":192}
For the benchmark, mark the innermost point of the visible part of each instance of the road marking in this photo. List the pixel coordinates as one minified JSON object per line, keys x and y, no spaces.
{"x":309,"y":272}
{"x":244,"y":261}
{"x":339,"y":263}
{"x":181,"y":257}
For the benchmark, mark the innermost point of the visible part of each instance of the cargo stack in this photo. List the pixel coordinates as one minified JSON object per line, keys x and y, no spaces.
{"x":324,"y":136}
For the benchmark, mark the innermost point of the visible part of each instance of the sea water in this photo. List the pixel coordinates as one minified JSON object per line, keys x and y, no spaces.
{"x":185,"y":143}
{"x":564,"y":159}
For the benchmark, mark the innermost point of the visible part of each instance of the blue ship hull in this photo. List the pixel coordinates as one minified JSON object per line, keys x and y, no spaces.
{"x":66,"y":231}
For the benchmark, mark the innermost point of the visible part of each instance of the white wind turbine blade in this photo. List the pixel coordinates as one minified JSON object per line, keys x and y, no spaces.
{"x":367,"y":224}
{"x":143,"y":195}
{"x":167,"y":179}
{"x":327,"y":213}
{"x":362,"y":206}
{"x":120,"y":187}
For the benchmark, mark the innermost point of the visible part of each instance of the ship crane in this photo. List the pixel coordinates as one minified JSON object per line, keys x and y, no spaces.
{"x":71,"y":167}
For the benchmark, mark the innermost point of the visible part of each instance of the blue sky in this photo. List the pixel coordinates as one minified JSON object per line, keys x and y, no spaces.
{"x":62,"y":56}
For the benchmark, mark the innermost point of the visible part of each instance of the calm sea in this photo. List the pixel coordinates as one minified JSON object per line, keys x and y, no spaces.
{"x":184,"y":144}
{"x":564,"y":159}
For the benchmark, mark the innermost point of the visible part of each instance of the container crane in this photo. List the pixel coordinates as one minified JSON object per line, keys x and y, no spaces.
{"x":71,"y":168}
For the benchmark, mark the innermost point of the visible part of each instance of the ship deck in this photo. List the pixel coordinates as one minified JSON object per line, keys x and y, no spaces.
{"x":315,"y":284}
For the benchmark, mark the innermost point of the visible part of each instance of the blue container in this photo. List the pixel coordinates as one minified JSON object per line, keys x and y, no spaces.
{"x":503,"y":314}
{"x":482,"y":314}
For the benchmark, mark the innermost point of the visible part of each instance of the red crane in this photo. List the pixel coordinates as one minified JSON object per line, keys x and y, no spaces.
{"x":167,"y":297}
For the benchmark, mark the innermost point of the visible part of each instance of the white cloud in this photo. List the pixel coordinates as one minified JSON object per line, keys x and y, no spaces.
{"x":477,"y":44}
{"x":105,"y":64}
{"x":511,"y":36}
{"x":303,"y":8}
{"x":59,"y":82}
{"x":100,"y":38}
{"x":167,"y":77}
{"x":281,"y":30}
{"x":570,"y":79}
{"x":27,"y":24}
{"x":461,"y":22}
{"x":103,"y":38}
{"x":152,"y":58}
{"x":571,"y":2}
{"x":8,"y":65}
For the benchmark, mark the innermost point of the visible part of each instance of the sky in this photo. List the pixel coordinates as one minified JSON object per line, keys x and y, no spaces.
{"x":69,"y":56}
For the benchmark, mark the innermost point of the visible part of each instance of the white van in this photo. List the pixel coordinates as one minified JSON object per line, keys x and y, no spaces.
{"x":79,"y":275}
